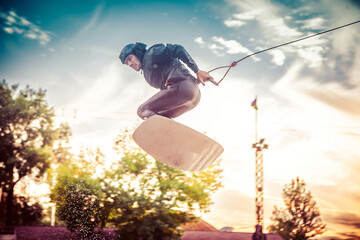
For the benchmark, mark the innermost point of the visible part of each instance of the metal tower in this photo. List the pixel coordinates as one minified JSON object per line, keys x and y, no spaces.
{"x":259,"y":177}
{"x":259,"y":180}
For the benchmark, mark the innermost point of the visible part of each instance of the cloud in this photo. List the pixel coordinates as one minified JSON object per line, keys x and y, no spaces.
{"x":216,"y":49}
{"x":278,"y":57}
{"x":234,"y":23}
{"x":220,"y":46}
{"x":335,"y":95}
{"x":346,"y":40}
{"x":248,"y":15}
{"x":312,"y":55}
{"x":200,"y":41}
{"x":238,"y":18}
{"x":269,"y":19}
{"x":332,"y":94}
{"x":231,"y":46}
{"x":310,"y":51}
{"x":351,"y":235}
{"x":312,"y":24}
{"x":13,"y":30}
{"x":267,"y":15}
{"x":279,"y":28}
{"x":274,"y":22}
{"x":345,"y":218}
{"x":94,"y":18}
{"x":15,"y":24}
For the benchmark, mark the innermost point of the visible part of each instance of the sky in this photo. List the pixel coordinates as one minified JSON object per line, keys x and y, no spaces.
{"x":308,"y":93}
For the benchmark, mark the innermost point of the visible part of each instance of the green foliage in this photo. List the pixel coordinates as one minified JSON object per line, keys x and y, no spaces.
{"x":27,"y":135}
{"x":78,"y":197}
{"x":300,"y":219}
{"x":142,"y":197}
{"x":152,"y":200}
{"x":160,"y":224}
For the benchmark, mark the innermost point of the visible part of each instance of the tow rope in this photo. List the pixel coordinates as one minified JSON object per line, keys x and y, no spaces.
{"x":267,"y":49}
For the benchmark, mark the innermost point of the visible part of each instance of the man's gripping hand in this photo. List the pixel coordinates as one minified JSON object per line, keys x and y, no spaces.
{"x":203,"y":77}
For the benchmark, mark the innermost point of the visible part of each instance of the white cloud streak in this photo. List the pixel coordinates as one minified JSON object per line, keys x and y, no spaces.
{"x":15,"y":24}
{"x":231,"y":46}
{"x":248,"y":15}
{"x":312,"y":55}
{"x":279,"y":28}
{"x":221,"y":46}
{"x":216,"y":49}
{"x":234,"y":23}
{"x":312,"y":24}
{"x":94,"y":19}
{"x":239,"y":19}
{"x":278,"y":57}
{"x":200,"y":41}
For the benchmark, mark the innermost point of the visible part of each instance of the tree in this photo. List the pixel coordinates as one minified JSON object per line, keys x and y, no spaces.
{"x":142,"y":197}
{"x":151,"y":200}
{"x":78,"y":194}
{"x":26,"y":137}
{"x":78,"y":197}
{"x":300,"y":218}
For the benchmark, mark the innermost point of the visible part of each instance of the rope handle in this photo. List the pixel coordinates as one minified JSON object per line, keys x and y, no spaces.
{"x":229,"y":67}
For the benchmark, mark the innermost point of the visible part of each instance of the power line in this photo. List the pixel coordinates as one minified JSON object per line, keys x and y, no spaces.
{"x":100,"y":118}
{"x":94,"y":110}
{"x":75,"y":113}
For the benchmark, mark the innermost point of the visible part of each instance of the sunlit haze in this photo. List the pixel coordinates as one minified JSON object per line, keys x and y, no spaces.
{"x":308,"y":93}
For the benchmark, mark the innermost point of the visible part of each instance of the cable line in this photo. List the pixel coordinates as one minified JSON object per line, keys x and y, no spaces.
{"x":277,"y":46}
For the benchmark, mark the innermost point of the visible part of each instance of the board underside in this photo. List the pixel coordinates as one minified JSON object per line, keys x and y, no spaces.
{"x":176,"y":145}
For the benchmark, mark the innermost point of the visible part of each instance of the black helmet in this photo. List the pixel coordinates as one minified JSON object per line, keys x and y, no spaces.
{"x":138,"y":49}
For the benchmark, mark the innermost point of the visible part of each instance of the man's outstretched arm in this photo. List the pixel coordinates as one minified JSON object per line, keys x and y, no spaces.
{"x":178,"y":51}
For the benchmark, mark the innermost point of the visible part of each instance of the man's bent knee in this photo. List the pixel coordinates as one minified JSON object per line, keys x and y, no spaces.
{"x":143,"y":112}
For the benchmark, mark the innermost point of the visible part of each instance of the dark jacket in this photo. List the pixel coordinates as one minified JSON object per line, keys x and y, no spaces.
{"x":162,"y":64}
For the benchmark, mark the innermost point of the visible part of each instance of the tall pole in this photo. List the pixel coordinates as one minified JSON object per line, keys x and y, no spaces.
{"x":259,"y":178}
{"x":53,"y":204}
{"x":254,"y":105}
